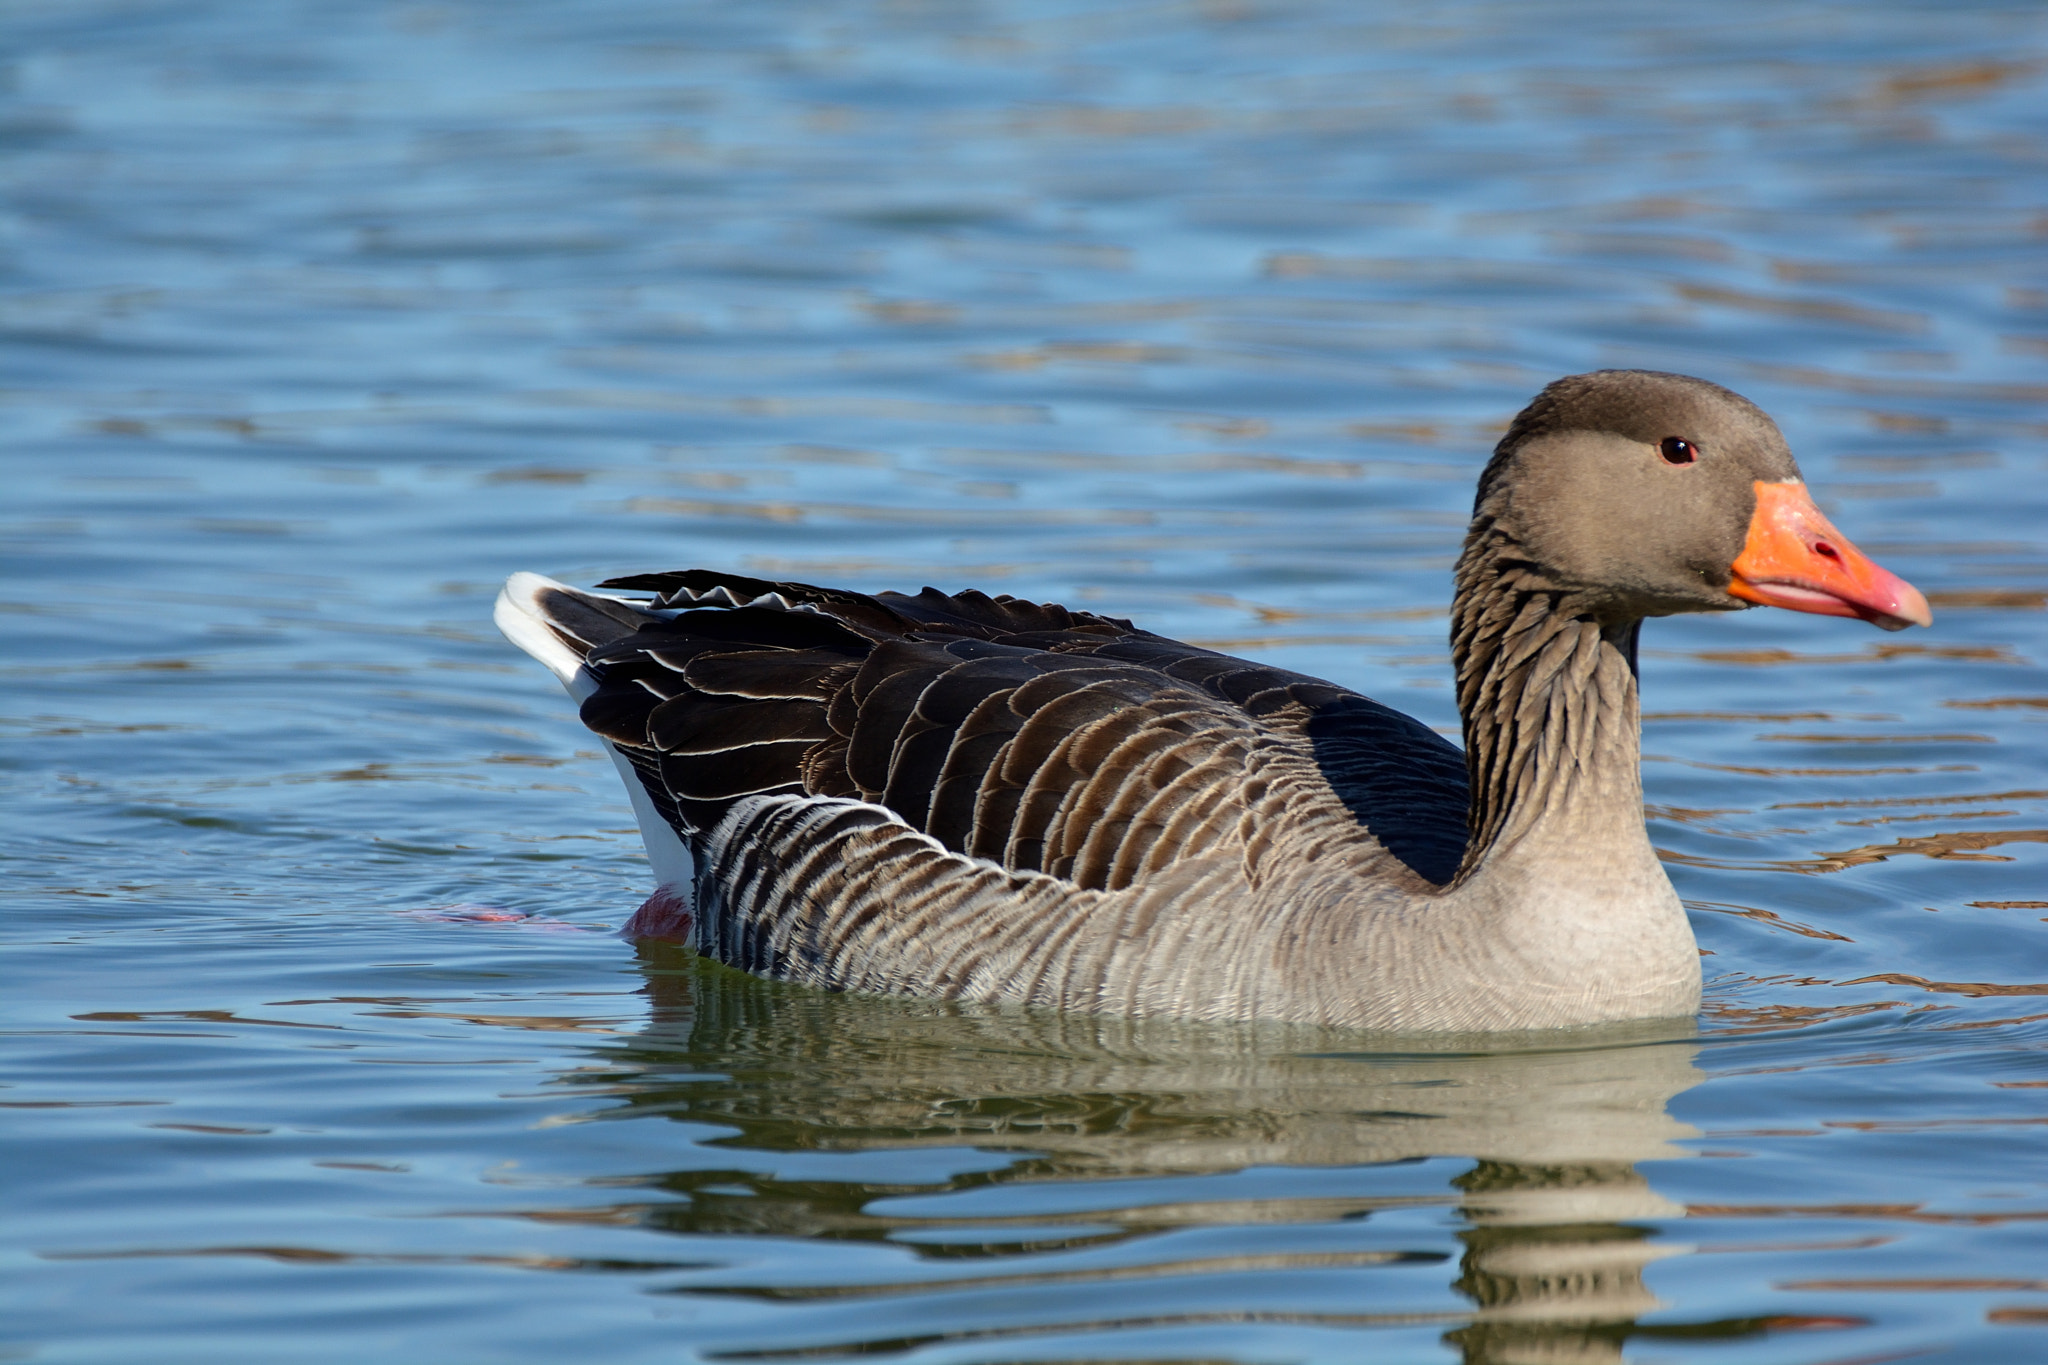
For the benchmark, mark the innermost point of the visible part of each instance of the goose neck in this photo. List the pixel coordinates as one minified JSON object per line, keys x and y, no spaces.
{"x":1547,"y":692}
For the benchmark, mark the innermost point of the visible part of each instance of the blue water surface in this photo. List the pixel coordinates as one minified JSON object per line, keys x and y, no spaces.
{"x":316,"y":320}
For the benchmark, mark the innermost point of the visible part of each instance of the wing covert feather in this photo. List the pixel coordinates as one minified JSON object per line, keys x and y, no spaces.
{"x":1030,"y":736}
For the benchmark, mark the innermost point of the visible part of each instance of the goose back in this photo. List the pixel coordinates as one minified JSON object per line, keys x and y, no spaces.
{"x":1031,"y":737}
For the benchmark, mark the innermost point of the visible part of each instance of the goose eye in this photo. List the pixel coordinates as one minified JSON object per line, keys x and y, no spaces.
{"x":1676,"y":451}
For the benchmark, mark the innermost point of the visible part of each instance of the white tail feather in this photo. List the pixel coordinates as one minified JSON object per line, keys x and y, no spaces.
{"x":524,"y":622}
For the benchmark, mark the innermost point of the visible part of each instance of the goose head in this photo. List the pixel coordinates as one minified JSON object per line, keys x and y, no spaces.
{"x":1646,"y":494}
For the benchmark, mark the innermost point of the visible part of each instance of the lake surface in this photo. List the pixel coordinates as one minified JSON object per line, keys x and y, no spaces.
{"x":316,"y":321}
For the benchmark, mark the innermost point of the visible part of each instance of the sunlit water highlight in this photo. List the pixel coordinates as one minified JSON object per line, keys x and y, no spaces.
{"x":316,"y":321}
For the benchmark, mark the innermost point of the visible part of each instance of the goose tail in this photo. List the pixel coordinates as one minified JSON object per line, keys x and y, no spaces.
{"x":560,"y":626}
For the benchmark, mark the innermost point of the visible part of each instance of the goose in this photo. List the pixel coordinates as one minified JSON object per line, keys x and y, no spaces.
{"x":987,"y":799}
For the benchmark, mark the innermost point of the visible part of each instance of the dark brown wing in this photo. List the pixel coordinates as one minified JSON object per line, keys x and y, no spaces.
{"x":1033,"y":736}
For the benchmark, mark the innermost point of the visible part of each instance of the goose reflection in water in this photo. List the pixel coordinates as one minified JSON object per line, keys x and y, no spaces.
{"x":1555,"y":1237}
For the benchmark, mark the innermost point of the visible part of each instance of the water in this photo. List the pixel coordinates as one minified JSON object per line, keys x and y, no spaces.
{"x":316,"y":321}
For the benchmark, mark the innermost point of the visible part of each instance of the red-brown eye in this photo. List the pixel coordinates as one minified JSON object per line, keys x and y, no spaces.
{"x":1676,"y":451}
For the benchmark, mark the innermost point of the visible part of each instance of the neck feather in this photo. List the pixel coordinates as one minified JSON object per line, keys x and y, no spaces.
{"x":1547,"y":690}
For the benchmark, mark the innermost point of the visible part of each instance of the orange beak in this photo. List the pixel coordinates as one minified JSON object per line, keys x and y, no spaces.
{"x":1794,"y":558}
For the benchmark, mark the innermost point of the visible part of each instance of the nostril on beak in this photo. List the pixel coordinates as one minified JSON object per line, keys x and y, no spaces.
{"x":1821,"y":547}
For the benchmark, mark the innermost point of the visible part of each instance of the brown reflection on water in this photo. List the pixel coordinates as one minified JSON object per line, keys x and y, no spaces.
{"x":2005,"y":599}
{"x":1750,"y":770}
{"x":323,"y":1256}
{"x":1876,"y":739}
{"x":1899,"y":1213}
{"x":1770,"y":658}
{"x":1866,"y":803}
{"x":1768,"y":917}
{"x":1962,"y":846}
{"x":1824,"y":310}
{"x":1973,"y":989}
{"x":1729,"y":1019}
{"x":1957,"y":846}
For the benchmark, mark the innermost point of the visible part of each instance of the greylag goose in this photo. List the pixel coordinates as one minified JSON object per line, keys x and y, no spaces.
{"x":988,"y":799}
